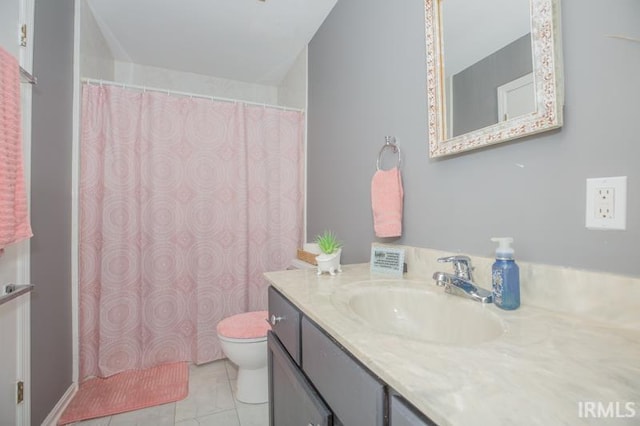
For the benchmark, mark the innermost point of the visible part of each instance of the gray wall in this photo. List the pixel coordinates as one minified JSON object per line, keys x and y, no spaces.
{"x":475,"y":97}
{"x":51,"y":347}
{"x":367,"y":80}
{"x":96,"y":59}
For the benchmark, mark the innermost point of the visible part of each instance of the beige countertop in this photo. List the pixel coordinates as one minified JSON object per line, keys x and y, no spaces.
{"x":545,"y":369}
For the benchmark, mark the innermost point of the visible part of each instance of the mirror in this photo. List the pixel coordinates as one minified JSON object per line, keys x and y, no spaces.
{"x":494,"y":72}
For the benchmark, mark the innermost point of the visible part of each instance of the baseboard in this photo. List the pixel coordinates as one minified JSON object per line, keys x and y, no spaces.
{"x":54,"y":415}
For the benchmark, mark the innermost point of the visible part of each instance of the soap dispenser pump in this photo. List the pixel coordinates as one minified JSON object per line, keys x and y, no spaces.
{"x":505,"y":276}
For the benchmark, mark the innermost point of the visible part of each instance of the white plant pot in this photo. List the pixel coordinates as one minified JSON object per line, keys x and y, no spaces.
{"x":329,"y":262}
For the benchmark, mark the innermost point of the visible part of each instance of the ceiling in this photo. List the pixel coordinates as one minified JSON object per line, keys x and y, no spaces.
{"x":247,"y":40}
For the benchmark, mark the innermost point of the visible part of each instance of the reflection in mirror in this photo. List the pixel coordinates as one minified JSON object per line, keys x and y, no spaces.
{"x":493,"y":71}
{"x":477,"y":62}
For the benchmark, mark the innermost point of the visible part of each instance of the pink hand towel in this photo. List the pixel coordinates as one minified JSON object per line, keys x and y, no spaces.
{"x":14,"y":220}
{"x":386,"y":202}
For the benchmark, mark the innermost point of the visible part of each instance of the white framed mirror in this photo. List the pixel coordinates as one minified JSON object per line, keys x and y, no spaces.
{"x":494,"y":72}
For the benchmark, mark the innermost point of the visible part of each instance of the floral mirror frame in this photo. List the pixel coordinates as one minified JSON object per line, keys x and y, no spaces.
{"x":548,"y":84}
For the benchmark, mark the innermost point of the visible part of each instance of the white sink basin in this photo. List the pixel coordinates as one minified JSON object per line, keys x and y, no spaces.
{"x":418,"y":311}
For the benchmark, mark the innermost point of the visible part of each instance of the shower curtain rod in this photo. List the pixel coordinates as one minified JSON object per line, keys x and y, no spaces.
{"x":191,"y":95}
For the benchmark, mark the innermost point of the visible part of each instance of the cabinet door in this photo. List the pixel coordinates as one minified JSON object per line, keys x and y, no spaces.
{"x":355,"y":397}
{"x":285,"y":323}
{"x":292,"y":400}
{"x":402,"y":414}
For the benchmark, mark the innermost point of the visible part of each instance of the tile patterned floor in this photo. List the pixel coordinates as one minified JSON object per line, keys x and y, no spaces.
{"x":210,"y":403}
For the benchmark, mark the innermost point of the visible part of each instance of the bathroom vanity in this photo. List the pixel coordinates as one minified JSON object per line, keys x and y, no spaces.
{"x":307,"y":367}
{"x":331,"y":364}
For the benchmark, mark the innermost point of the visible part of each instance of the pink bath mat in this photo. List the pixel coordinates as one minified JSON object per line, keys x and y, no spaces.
{"x":128,"y":391}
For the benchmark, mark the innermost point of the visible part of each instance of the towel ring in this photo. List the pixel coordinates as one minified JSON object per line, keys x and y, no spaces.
{"x":388,"y":144}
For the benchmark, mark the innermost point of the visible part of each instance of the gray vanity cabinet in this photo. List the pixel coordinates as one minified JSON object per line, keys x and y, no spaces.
{"x":293,"y":401}
{"x":355,"y":396}
{"x":285,"y":323}
{"x":313,"y":381}
{"x":402,"y":414}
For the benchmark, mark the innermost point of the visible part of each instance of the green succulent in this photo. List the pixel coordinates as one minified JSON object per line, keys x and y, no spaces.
{"x":328,"y":242}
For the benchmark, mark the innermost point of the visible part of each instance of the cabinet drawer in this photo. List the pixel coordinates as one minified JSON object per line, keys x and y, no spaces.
{"x":404,"y":414}
{"x":355,"y":397}
{"x":285,"y":323}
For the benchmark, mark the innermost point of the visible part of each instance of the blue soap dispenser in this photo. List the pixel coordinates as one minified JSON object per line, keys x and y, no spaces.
{"x":505,"y":276}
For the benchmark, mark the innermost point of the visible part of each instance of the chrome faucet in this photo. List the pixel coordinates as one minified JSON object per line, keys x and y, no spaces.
{"x":461,"y":281}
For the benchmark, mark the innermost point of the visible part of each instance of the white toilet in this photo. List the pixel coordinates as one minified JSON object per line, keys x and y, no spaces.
{"x":244,"y":342}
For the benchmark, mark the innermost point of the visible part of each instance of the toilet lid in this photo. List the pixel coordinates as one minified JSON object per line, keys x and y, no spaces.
{"x":249,"y":325}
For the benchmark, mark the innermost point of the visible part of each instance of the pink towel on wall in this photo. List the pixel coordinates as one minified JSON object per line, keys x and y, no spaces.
{"x":14,"y":220}
{"x":386,"y":202}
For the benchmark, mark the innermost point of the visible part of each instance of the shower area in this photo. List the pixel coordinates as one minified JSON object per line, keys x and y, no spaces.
{"x":189,"y":188}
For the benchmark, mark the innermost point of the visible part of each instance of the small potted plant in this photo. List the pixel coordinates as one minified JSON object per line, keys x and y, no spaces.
{"x":329,"y":259}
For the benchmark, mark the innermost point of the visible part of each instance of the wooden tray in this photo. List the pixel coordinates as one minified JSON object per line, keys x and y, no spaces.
{"x":307,"y":257}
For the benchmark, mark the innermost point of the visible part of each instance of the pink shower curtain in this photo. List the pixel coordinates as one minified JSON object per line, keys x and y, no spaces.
{"x":184,"y":203}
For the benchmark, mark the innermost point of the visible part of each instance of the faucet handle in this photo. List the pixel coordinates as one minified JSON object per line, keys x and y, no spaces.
{"x":461,"y":265}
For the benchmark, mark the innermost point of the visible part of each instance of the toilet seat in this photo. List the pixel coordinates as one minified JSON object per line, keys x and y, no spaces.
{"x":241,"y":340}
{"x":244,"y":328}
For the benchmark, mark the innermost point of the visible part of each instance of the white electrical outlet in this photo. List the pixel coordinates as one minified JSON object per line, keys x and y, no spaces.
{"x":607,"y":203}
